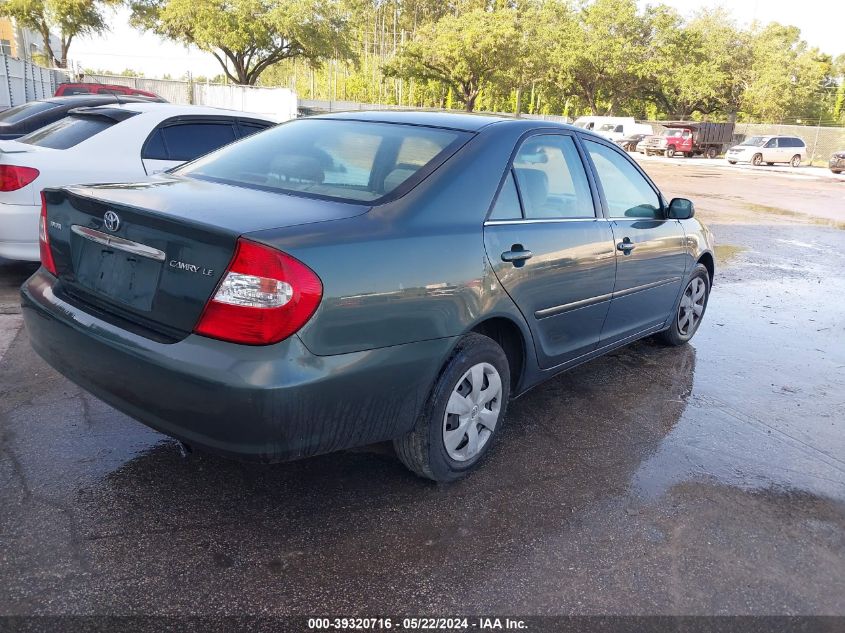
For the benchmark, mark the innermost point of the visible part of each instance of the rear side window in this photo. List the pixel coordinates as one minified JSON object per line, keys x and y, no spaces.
{"x":507,"y":203}
{"x":345,"y":160}
{"x":187,"y":141}
{"x":26,"y":110}
{"x":791,"y":141}
{"x":626,"y":190}
{"x":250,"y":128}
{"x":68,"y":132}
{"x":551,"y":178}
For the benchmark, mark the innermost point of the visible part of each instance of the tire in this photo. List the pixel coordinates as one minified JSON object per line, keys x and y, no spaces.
{"x":711,"y":153}
{"x":681,"y":330}
{"x":769,"y":164}
{"x":732,"y":162}
{"x":795,"y":161}
{"x":424,"y":449}
{"x":757,"y":160}
{"x":670,"y":152}
{"x":836,"y":171}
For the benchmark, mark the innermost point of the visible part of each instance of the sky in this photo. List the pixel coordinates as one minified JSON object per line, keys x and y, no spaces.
{"x":821,"y":23}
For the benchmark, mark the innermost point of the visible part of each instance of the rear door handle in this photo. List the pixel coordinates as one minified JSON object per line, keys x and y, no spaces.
{"x":517,"y":255}
{"x":626,"y":246}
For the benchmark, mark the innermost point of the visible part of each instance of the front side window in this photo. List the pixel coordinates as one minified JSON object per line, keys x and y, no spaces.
{"x":551,"y":178}
{"x":754,"y":141}
{"x":345,"y":160}
{"x":67,"y":132}
{"x":627,"y":192}
{"x":772,"y":143}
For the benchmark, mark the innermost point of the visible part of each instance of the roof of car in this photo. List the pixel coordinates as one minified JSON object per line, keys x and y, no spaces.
{"x":454,"y":120}
{"x":175,"y":109}
{"x":71,"y":99}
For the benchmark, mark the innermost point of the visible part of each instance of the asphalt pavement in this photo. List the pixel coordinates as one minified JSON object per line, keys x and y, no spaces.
{"x":706,"y":479}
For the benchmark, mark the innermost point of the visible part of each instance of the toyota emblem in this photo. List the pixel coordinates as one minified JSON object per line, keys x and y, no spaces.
{"x":111,"y":220}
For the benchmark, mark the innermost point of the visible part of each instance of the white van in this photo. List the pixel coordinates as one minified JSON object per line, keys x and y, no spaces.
{"x":613,"y":127}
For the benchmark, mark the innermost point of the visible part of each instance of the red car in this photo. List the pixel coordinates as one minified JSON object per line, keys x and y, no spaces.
{"x":67,"y":89}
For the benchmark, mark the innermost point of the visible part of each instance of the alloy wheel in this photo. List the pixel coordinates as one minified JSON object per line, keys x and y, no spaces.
{"x":796,"y":161}
{"x":472,"y":412}
{"x":692,"y":306}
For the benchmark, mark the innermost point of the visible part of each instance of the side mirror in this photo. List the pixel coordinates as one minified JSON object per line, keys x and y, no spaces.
{"x":681,"y":209}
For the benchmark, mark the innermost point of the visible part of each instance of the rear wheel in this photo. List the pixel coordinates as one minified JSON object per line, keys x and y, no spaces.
{"x":690,"y":309}
{"x":711,"y":153}
{"x":732,"y":162}
{"x":796,"y":161}
{"x":757,"y":160}
{"x":836,"y":171}
{"x":458,"y":423}
{"x":769,"y":164}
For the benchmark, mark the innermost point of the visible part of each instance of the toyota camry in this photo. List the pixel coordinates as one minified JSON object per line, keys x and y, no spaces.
{"x":354,"y":278}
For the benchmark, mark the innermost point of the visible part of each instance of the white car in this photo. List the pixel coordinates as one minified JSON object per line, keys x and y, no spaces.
{"x":768,"y":149}
{"x":102,"y":144}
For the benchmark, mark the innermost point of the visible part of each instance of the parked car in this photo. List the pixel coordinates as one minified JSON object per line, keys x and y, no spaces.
{"x":104,"y":144}
{"x":629,"y":143}
{"x":768,"y":149}
{"x":32,"y":115}
{"x":353,"y":278}
{"x":689,"y":138}
{"x":82,"y":88}
{"x":837,"y":162}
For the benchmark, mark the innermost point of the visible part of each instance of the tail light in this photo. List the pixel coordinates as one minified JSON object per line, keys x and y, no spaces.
{"x":44,"y":239}
{"x":13,"y":177}
{"x":264,"y":297}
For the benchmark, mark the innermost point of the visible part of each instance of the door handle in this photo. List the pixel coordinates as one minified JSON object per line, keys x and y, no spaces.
{"x":517,"y":255}
{"x":626,"y":246}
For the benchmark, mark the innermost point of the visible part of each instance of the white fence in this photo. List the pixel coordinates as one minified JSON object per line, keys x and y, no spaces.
{"x":22,"y":81}
{"x":278,"y":102}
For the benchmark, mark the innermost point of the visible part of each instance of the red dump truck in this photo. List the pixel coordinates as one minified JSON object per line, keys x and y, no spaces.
{"x":689,"y":139}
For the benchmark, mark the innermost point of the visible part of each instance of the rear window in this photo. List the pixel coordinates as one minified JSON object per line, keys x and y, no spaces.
{"x":67,"y":132}
{"x":26,"y":110}
{"x":346,"y":160}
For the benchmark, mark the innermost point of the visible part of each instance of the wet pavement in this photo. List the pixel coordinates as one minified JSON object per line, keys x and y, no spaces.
{"x":707,"y":479}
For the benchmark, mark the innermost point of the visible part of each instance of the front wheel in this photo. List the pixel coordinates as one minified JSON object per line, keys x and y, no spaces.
{"x":796,"y":161}
{"x":757,"y":160}
{"x":690,"y":309}
{"x":670,"y":152}
{"x":459,"y":421}
{"x":732,"y":162}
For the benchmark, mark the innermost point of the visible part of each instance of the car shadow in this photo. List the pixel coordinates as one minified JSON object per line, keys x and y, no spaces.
{"x":574,"y":439}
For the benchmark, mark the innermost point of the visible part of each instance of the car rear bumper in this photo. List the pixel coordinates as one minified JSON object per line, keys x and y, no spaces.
{"x":269,"y":403}
{"x":19,"y":231}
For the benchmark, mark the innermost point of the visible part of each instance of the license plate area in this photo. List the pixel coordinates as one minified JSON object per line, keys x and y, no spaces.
{"x":123,"y":277}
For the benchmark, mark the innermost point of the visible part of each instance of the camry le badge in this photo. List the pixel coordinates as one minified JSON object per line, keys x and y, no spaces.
{"x":111,"y":221}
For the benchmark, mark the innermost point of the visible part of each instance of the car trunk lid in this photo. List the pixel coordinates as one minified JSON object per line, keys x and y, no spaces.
{"x":152,"y":253}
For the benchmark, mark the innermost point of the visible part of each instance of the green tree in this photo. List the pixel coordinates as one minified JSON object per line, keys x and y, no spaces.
{"x":787,"y":78}
{"x":69,"y":18}
{"x":597,"y":51}
{"x":464,"y":52}
{"x":697,"y":67}
{"x":248,"y":36}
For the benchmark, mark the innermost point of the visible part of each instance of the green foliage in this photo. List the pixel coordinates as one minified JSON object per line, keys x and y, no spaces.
{"x":248,"y":36}
{"x":69,"y":18}
{"x":462,"y":51}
